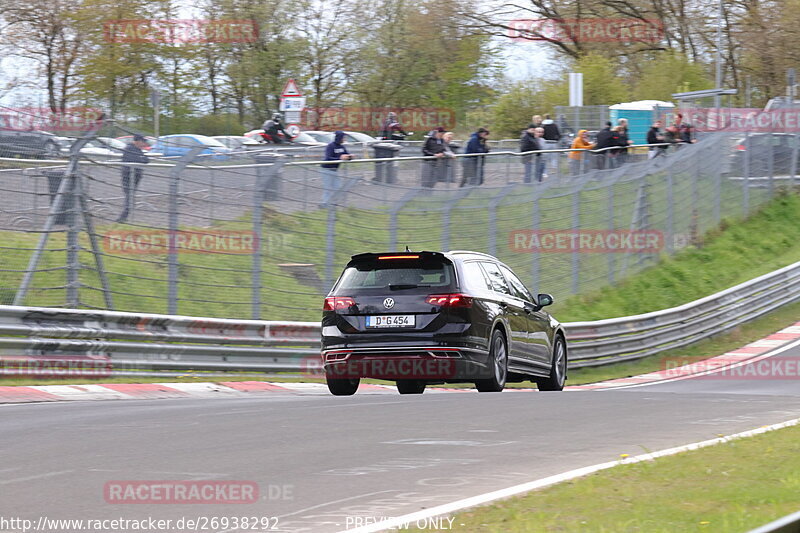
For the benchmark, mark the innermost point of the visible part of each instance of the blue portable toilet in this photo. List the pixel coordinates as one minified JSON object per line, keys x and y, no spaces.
{"x":641,"y":116}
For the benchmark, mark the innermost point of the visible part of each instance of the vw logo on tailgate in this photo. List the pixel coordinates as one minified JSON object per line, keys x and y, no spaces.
{"x":388,"y":303}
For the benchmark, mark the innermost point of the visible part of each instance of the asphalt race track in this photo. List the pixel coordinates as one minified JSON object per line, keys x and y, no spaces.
{"x":320,"y":461}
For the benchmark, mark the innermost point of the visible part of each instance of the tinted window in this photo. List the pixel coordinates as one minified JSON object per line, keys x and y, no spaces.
{"x":476,"y":276}
{"x":516,"y":285}
{"x":496,"y":278}
{"x":397,"y":275}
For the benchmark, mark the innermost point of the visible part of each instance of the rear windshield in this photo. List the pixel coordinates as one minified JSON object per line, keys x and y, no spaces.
{"x":390,"y":276}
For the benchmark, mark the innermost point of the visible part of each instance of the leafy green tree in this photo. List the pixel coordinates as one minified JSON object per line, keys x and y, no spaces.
{"x":669,"y":73}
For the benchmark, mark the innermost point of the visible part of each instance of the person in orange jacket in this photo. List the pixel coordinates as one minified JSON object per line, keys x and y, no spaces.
{"x":577,"y":158}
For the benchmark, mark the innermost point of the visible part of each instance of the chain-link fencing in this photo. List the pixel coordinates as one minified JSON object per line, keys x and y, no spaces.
{"x":264,"y":234}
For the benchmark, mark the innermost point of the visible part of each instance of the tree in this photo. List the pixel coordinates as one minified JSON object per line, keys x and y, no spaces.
{"x":670,"y":73}
{"x":44,"y":32}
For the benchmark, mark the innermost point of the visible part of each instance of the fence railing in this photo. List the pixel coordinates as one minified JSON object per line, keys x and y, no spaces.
{"x":136,"y":341}
{"x":263,"y":235}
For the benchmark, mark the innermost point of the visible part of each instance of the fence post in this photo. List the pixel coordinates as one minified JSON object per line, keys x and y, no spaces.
{"x":611,"y":227}
{"x":492,"y":236}
{"x":771,"y":165}
{"x":259,"y":197}
{"x":793,"y":162}
{"x":718,"y":195}
{"x":55,"y":211}
{"x":670,"y":233}
{"x":396,"y":208}
{"x":447,"y":209}
{"x":746,"y":175}
{"x":330,"y":236}
{"x":172,"y":257}
{"x":73,"y":247}
{"x":576,"y":226}
{"x":535,"y":267}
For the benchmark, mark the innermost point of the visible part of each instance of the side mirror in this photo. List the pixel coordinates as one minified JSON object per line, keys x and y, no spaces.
{"x":545,"y":300}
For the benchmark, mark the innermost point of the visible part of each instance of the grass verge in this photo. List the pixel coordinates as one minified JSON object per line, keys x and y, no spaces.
{"x":746,"y":483}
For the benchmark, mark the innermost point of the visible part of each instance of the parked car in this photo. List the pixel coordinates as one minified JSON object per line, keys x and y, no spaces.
{"x":759,"y":146}
{"x":179,"y":144}
{"x":352,"y":137}
{"x":433,"y":317}
{"x":17,"y":142}
{"x":237,"y":142}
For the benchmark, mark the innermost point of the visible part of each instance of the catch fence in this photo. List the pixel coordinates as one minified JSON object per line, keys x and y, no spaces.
{"x":263,"y":234}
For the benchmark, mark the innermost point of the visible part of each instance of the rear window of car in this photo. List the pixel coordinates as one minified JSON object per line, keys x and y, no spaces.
{"x":378,"y":276}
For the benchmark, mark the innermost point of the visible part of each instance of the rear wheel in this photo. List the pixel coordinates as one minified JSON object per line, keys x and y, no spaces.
{"x":558,"y":372}
{"x":410,"y":386}
{"x":498,"y":358}
{"x":343,"y":387}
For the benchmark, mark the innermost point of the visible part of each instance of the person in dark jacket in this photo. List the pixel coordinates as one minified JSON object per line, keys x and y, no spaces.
{"x":131,"y":175}
{"x":335,"y":151}
{"x":530,"y":142}
{"x":473,"y":166}
{"x":654,"y":136}
{"x":551,"y":138}
{"x":606,"y":138}
{"x":435,"y":146}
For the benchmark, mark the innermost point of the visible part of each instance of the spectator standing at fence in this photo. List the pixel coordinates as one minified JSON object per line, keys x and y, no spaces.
{"x":451,"y":149}
{"x":434,"y":147}
{"x":335,"y":151}
{"x":685,"y":131}
{"x":654,"y":136}
{"x":577,"y":157}
{"x":606,"y":138}
{"x":131,"y":175}
{"x":617,"y":157}
{"x":392,"y":129}
{"x":473,"y":166}
{"x":528,"y":142}
{"x":536,"y":120}
{"x":552,"y":136}
{"x":624,"y":140}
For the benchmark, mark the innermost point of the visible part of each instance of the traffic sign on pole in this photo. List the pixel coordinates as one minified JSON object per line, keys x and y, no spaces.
{"x":290,"y":89}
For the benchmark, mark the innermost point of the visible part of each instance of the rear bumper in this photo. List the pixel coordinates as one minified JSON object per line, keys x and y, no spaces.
{"x":433,"y":362}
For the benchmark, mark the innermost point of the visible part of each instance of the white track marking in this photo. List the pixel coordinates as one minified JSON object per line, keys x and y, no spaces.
{"x":723,"y":368}
{"x":482,"y":499}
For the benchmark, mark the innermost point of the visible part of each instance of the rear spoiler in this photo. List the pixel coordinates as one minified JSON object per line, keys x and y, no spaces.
{"x":398,"y":256}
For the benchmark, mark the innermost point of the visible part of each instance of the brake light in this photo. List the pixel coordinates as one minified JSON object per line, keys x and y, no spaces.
{"x":741,"y":147}
{"x":398,"y":257}
{"x":449,"y":300}
{"x":335,"y":303}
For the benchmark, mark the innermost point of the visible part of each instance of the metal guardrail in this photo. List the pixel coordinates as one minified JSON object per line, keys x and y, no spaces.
{"x":787,"y":524}
{"x":136,"y":341}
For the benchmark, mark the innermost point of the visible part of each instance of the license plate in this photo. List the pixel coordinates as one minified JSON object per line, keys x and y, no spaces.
{"x":390,"y":321}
